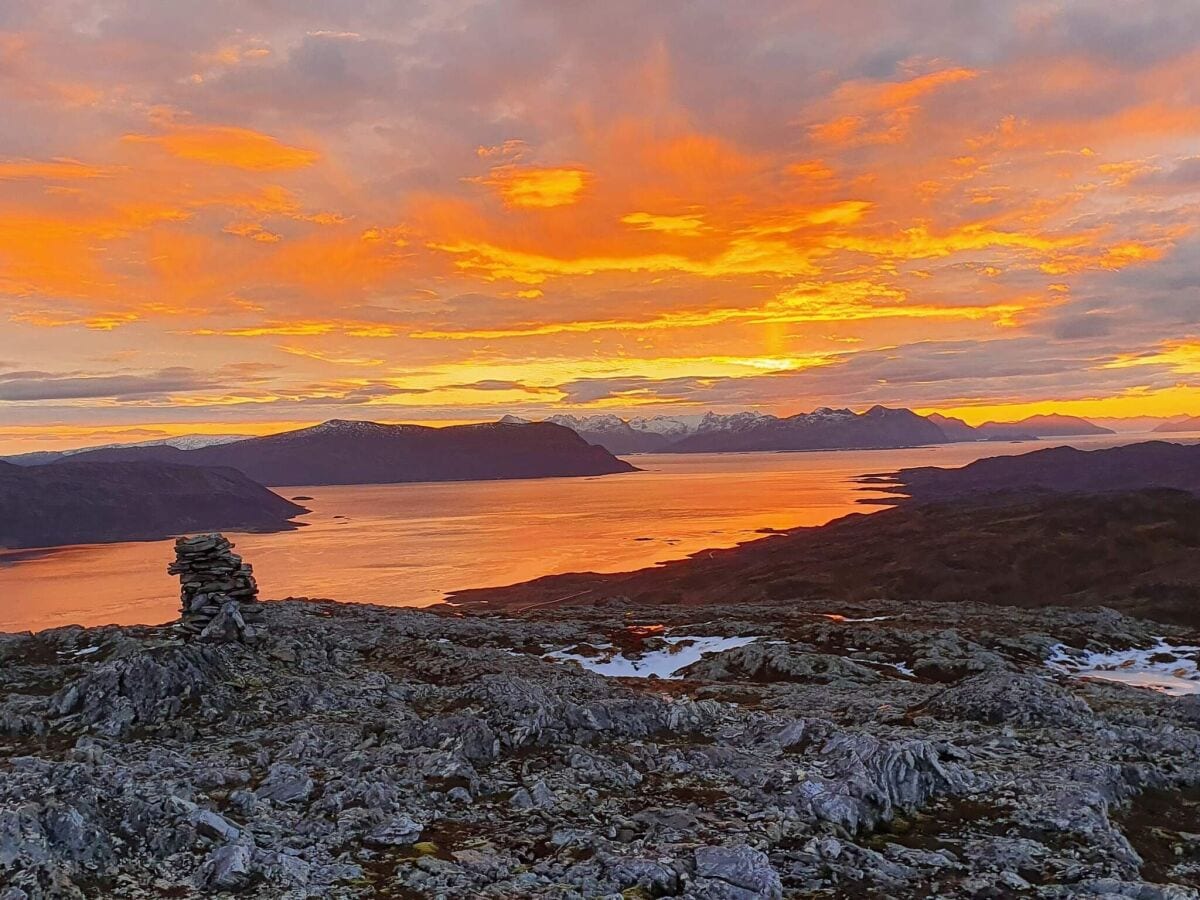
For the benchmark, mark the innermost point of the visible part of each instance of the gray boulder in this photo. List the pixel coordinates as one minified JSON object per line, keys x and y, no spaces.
{"x":779,"y":662}
{"x":734,"y":873}
{"x":998,"y":697}
{"x":228,"y":868}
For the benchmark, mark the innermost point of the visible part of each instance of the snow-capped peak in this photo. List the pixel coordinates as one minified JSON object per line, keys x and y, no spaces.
{"x":664,"y":425}
{"x":734,"y":421}
{"x":607,"y":422}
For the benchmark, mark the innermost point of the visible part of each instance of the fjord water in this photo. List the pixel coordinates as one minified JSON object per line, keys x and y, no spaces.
{"x":410,"y":544}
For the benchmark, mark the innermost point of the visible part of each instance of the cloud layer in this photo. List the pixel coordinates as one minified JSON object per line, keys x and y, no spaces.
{"x":243,"y":214}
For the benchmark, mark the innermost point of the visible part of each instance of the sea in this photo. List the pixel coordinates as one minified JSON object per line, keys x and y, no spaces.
{"x":412,"y":544}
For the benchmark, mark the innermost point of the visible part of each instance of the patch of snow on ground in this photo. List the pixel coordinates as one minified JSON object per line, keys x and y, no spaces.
{"x":681,"y":652}
{"x":1172,"y":669}
{"x":903,"y":668}
{"x":86,"y":651}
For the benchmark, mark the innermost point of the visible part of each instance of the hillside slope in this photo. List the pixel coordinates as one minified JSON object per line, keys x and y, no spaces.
{"x":1138,"y":553}
{"x":97,"y":502}
{"x":1153,"y":464}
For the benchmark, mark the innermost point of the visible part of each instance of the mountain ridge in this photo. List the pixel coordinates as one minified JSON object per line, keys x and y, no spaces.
{"x":1189,"y":424}
{"x":355,"y":452}
{"x":824,"y":428}
{"x":179,"y":442}
{"x":1051,"y":425}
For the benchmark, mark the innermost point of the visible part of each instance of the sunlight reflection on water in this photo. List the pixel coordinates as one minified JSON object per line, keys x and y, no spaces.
{"x":410,"y":544}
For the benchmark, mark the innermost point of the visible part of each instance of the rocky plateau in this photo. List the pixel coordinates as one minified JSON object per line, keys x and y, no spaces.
{"x":761,"y":750}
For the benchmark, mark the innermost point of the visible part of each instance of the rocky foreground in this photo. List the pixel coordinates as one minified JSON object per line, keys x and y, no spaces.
{"x":881,"y":750}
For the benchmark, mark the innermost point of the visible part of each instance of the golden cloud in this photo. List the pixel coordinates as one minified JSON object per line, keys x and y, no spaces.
{"x":524,"y":187}
{"x":686,"y":225}
{"x":844,"y":302}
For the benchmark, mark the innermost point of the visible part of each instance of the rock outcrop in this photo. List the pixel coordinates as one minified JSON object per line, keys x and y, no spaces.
{"x":999,"y":697}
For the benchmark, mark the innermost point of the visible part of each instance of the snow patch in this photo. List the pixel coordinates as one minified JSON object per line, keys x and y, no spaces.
{"x":681,"y":651}
{"x":85,"y":651}
{"x":903,"y":668}
{"x":1172,"y":669}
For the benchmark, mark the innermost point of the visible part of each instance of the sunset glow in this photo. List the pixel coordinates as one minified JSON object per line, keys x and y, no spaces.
{"x":237,"y":217}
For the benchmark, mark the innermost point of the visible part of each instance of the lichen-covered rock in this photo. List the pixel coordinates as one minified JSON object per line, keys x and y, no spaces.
{"x":228,"y":868}
{"x":998,"y":697}
{"x":285,"y":784}
{"x":143,"y":689}
{"x":734,"y":873}
{"x":399,"y":831}
{"x":873,"y":780}
{"x":780,"y":662}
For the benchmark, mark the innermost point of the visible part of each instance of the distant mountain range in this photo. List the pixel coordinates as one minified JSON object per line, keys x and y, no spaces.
{"x":76,"y":502}
{"x":1154,"y":464}
{"x":1142,"y":424}
{"x":1179,"y":426}
{"x":350,"y":452}
{"x":1042,"y":427}
{"x":180,"y":442}
{"x":344,"y":452}
{"x":821,"y":429}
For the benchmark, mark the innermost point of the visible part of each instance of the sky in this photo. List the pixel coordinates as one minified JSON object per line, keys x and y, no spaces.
{"x":243,"y":215}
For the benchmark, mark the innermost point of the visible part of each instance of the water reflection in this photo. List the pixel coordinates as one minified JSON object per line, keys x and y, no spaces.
{"x":409,"y":545}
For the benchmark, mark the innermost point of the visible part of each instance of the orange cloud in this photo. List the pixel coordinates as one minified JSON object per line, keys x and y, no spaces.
{"x":882,"y":112}
{"x":59,"y":169}
{"x":369,"y":362}
{"x":812,"y":169}
{"x":254,"y":231}
{"x":239,"y":148}
{"x":1182,"y":356}
{"x":743,"y":256}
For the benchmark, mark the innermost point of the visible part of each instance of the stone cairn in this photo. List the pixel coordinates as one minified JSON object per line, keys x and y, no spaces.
{"x":218,"y":592}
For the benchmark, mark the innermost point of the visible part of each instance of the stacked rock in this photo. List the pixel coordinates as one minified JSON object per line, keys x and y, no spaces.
{"x":218,"y":593}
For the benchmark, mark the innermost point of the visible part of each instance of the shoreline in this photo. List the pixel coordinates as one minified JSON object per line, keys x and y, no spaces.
{"x":953,"y":551}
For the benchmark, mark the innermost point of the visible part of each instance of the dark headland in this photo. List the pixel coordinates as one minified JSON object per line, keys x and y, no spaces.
{"x":81,"y":502}
{"x":1060,"y":470}
{"x":1117,"y":527}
